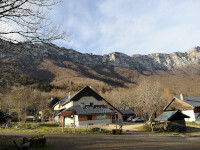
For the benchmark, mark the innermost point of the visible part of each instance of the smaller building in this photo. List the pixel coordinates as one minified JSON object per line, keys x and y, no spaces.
{"x":127,"y":113}
{"x":189,"y":106}
{"x":175,"y":119}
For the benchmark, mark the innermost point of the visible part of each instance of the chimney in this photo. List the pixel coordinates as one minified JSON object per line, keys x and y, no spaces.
{"x":181,"y":96}
{"x":69,"y":95}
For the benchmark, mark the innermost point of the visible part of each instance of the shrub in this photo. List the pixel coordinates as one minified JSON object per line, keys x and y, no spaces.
{"x":145,"y":127}
{"x":49,"y":124}
{"x":23,"y":125}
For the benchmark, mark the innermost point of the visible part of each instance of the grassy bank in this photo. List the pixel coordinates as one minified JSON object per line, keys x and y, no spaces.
{"x":51,"y":128}
{"x":147,"y":128}
{"x":193,"y":124}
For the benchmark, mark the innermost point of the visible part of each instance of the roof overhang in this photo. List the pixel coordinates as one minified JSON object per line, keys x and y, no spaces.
{"x":67,"y":113}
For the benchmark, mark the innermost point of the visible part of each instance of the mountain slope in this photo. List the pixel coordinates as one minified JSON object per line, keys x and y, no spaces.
{"x":63,"y":67}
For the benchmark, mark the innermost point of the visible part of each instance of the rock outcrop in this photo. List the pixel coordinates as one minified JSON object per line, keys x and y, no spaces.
{"x":151,"y":62}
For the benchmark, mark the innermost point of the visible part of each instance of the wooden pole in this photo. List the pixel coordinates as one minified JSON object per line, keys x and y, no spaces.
{"x":116,"y":120}
{"x":63,"y":125}
{"x":74,"y":123}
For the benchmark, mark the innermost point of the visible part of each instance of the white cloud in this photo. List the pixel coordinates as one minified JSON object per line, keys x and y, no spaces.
{"x":132,"y":26}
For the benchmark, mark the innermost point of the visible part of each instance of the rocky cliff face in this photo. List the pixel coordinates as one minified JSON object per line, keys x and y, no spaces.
{"x":151,"y":62}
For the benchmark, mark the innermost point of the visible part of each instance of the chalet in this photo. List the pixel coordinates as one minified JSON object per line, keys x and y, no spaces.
{"x":86,"y":107}
{"x":189,"y":106}
{"x":173,"y":118}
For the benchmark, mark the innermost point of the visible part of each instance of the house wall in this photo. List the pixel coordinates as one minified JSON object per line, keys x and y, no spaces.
{"x":179,"y":125}
{"x":68,"y":105}
{"x":56,"y":107}
{"x":68,"y":121}
{"x":87,"y":100}
{"x":93,"y":122}
{"x":108,"y":116}
{"x":197,"y":110}
{"x":189,"y":113}
{"x":82,"y":120}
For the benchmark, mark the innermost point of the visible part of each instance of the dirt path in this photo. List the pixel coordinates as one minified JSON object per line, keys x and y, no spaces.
{"x":127,"y":126}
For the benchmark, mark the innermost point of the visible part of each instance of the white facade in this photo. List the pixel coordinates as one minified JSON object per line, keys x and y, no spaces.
{"x":68,"y":105}
{"x":189,"y":113}
{"x":56,"y":107}
{"x":87,"y":100}
{"x":92,"y":122}
{"x":69,"y":121}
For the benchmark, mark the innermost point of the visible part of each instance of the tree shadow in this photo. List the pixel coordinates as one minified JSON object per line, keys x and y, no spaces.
{"x":111,"y":78}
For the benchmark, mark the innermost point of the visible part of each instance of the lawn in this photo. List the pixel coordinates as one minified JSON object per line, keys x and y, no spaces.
{"x":52,"y":128}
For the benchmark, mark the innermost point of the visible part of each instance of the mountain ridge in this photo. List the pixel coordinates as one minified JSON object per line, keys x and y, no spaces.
{"x":60,"y":66}
{"x":151,"y":62}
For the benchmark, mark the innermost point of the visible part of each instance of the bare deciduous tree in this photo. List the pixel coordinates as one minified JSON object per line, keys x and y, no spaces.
{"x":150,"y":97}
{"x":28,"y":21}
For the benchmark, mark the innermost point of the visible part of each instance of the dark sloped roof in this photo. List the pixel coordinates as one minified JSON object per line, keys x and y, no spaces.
{"x":54,"y":101}
{"x":90,"y":110}
{"x":192,"y":101}
{"x":64,"y":100}
{"x":87,"y":91}
{"x":127,"y":112}
{"x":170,"y":115}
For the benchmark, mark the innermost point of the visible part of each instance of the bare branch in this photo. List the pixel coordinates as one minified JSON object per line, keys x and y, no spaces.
{"x":28,"y":21}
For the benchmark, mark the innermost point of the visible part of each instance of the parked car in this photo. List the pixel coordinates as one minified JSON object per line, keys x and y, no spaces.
{"x":138,"y":119}
{"x":130,"y":118}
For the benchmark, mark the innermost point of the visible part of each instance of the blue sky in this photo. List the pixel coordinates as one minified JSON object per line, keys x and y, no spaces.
{"x":129,"y":26}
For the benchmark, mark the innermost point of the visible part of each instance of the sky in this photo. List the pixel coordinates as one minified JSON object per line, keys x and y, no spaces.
{"x":129,"y":26}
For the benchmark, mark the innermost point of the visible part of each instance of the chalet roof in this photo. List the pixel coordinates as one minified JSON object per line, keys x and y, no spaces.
{"x":54,"y":101}
{"x":90,"y":110}
{"x":64,"y":100}
{"x":170,"y":115}
{"x":87,"y":91}
{"x":192,"y":101}
{"x":127,"y":112}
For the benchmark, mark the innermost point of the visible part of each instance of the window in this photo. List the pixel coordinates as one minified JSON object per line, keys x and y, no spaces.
{"x":101,"y":117}
{"x":89,"y":117}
